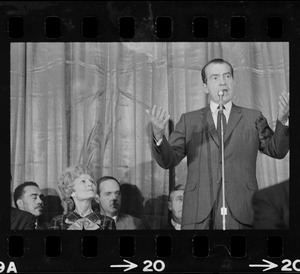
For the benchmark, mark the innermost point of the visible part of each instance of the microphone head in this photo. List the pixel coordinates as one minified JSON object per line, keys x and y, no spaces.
{"x":221,"y":93}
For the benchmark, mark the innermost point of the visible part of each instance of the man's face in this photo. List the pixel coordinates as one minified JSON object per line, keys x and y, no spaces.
{"x":219,"y":78}
{"x":31,"y":200}
{"x":84,"y":188}
{"x":110,"y":197}
{"x":175,"y":205}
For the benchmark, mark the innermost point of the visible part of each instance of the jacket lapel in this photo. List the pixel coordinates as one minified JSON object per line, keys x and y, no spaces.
{"x":211,"y":126}
{"x":234,"y":117}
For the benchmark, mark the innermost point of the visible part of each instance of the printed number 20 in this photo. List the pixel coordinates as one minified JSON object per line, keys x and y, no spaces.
{"x":158,"y":266}
{"x":288,"y":263}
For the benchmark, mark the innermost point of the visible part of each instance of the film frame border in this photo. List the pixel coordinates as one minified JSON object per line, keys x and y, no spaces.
{"x":218,"y":30}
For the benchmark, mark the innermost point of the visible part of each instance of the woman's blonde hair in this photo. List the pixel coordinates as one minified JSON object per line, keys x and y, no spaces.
{"x":66,"y":181}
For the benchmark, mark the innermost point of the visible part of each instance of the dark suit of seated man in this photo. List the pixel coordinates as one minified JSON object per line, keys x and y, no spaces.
{"x":271,"y":207}
{"x":21,"y":220}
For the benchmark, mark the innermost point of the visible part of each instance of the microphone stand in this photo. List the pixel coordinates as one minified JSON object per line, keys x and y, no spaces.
{"x":223,"y":208}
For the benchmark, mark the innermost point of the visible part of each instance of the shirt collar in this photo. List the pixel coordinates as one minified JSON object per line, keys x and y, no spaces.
{"x":74,"y":216}
{"x":214,"y":107}
{"x":176,"y":225}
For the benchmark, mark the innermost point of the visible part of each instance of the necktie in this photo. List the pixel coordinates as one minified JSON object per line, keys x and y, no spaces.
{"x":114,"y":224}
{"x":221,"y":115}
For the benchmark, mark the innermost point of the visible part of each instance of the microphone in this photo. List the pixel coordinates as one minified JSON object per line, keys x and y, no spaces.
{"x":221,"y":94}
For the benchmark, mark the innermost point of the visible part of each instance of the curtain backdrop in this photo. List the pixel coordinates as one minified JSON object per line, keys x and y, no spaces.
{"x":85,"y":103}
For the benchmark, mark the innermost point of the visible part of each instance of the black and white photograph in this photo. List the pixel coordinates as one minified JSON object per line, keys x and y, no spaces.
{"x":149,"y":135}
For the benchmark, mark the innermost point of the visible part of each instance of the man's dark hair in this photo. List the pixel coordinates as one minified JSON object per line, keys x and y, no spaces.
{"x":105,"y":178}
{"x":18,"y":193}
{"x":178,"y":187}
{"x":214,"y":61}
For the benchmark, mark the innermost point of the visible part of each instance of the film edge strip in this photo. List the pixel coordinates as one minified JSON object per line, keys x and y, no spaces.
{"x":200,"y":27}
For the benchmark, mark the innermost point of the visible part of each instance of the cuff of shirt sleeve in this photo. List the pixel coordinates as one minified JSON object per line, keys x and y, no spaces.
{"x":157,"y":142}
{"x":287,"y":122}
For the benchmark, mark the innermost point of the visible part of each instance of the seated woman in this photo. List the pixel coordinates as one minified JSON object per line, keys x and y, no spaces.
{"x":78,"y":189}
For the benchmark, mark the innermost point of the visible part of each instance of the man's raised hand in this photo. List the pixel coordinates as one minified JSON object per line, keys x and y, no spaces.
{"x":159,"y":119}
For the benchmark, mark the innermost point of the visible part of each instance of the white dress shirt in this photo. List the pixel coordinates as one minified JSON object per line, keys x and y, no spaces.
{"x":214,"y":111}
{"x":176,"y":225}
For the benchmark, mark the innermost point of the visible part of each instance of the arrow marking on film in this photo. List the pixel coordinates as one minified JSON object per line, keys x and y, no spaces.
{"x":129,"y":265}
{"x":268,"y":266}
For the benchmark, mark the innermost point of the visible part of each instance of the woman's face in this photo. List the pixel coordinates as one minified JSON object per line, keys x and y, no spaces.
{"x":84,"y":188}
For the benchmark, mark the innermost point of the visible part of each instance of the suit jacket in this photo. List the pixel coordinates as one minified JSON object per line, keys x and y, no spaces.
{"x":195,"y":136}
{"x":125,"y":221}
{"x":21,"y":220}
{"x":169,"y":226}
{"x":42,"y":225}
{"x":271,"y":207}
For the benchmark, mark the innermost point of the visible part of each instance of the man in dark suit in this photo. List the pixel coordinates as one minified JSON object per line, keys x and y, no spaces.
{"x":271,"y":207}
{"x":28,"y":199}
{"x":196,"y":137}
{"x":109,"y":199}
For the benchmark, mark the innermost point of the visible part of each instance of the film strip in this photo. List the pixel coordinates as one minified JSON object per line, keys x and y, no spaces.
{"x":154,"y":249}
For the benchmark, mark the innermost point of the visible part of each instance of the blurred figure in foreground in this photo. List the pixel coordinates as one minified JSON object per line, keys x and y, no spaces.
{"x":271,"y":207}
